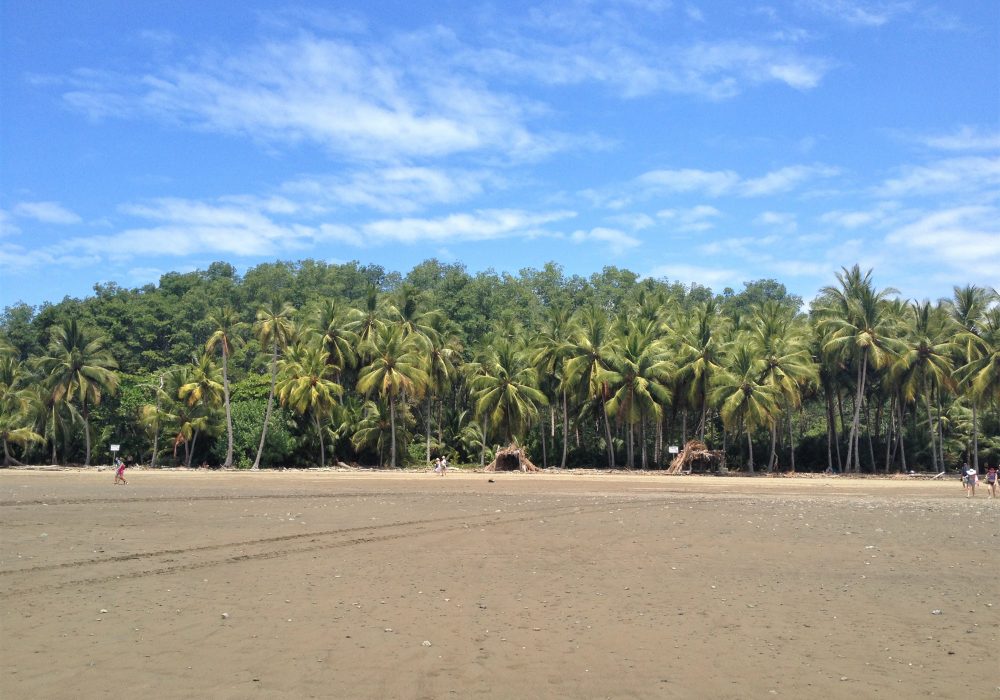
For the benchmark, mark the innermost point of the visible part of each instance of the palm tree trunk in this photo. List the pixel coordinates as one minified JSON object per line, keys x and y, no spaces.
{"x":229,"y":414}
{"x":773,"y":458}
{"x":975,"y":435}
{"x":890,"y":441}
{"x":565,"y":430}
{"x":607,"y":434}
{"x":86,"y":431}
{"x":486,"y":430}
{"x":190,"y":453}
{"x":392,"y":427}
{"x":930,"y":427}
{"x":322,"y":448}
{"x":940,"y":426}
{"x":156,"y":427}
{"x":429,"y":408}
{"x":902,"y":443}
{"x":270,"y":405}
{"x":545,"y":454}
{"x":750,"y":446}
{"x":791,"y":441}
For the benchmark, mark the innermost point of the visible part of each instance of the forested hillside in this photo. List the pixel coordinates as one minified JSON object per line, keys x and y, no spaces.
{"x":308,"y":363}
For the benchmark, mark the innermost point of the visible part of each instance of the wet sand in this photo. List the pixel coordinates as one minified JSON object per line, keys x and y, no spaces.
{"x":367,"y":585}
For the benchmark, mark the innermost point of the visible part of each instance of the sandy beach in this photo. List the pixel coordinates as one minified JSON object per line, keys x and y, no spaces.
{"x":367,"y":585}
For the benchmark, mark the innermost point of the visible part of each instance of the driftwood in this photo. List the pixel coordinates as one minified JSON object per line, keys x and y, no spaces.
{"x":696,"y":457}
{"x":509,"y":459}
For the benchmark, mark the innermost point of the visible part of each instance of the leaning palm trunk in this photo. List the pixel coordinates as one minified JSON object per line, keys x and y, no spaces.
{"x":86,"y":432}
{"x":930,"y":428}
{"x":270,"y":405}
{"x":750,"y":446}
{"x":772,"y":460}
{"x":190,"y":453}
{"x":429,"y":411}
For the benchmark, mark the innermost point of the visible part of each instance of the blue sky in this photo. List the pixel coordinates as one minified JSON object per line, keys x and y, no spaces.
{"x":709,"y":142}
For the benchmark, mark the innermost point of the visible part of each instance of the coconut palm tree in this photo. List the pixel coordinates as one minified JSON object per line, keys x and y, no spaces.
{"x":306,"y":387}
{"x":700,"y":343}
{"x":340,"y":343}
{"x":590,"y":347}
{"x":968,"y":310}
{"x":274,"y":328}
{"x":203,"y":391}
{"x":638,"y":374}
{"x":857,"y":323}
{"x":788,"y":365}
{"x":226,"y":336}
{"x":17,"y":407}
{"x":506,"y":390}
{"x":743,"y":396}
{"x":549,"y":352}
{"x":396,"y":368}
{"x":79,"y":368}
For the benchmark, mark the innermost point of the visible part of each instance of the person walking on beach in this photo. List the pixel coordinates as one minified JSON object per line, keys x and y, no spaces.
{"x":991,"y":481}
{"x":437,"y":466}
{"x":444,"y":465}
{"x":971,"y":479}
{"x":120,"y":471}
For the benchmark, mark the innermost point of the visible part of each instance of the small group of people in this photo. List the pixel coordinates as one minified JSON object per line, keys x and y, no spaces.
{"x":441,"y":466}
{"x":970,"y":480}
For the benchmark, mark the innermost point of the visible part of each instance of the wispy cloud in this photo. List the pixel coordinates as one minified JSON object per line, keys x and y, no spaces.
{"x":859,"y":12}
{"x":783,"y":220}
{"x":963,"y":175}
{"x":617,"y":241}
{"x":46,"y":212}
{"x":707,"y":275}
{"x":965,"y":138}
{"x":487,"y":224}
{"x":698,"y":218}
{"x":965,"y":239}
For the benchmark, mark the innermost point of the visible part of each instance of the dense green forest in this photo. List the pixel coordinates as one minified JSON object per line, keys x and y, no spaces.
{"x":309,"y":363}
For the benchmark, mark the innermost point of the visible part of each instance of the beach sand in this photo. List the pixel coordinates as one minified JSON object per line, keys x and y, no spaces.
{"x":366,"y":585}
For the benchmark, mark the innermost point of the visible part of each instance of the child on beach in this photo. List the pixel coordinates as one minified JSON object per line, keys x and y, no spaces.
{"x":120,"y":472}
{"x":971,"y":479}
{"x":991,"y":481}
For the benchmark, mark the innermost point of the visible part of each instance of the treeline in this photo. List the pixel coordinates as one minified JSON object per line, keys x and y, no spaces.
{"x":296,"y":364}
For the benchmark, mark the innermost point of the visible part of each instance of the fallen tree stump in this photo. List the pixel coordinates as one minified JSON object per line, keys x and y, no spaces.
{"x":696,"y":457}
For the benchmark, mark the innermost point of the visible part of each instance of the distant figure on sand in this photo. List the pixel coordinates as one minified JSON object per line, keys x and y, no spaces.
{"x":120,"y":471}
{"x":444,"y":466}
{"x":971,"y":479}
{"x":991,"y":481}
{"x":437,"y":466}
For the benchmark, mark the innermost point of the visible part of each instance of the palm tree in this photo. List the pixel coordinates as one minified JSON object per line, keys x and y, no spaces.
{"x":17,"y":407}
{"x":743,"y":396}
{"x":588,"y":353}
{"x":788,"y":365}
{"x":968,"y":311}
{"x":506,"y":391}
{"x":79,"y":368}
{"x":367,"y":321}
{"x":639,"y":375}
{"x":982,"y":373}
{"x":396,"y":368}
{"x":699,"y":351}
{"x":856,"y":322}
{"x":226,"y":336}
{"x":924,"y":364}
{"x":548,"y":355}
{"x":339,"y":342}
{"x":274,"y":327}
{"x":202,"y":390}
{"x":442,"y":356}
{"x":372,"y":429}
{"x":306,"y":387}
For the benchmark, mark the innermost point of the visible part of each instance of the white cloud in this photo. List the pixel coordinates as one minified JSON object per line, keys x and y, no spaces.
{"x":967,"y":239}
{"x":618,"y":241}
{"x":880,"y":215}
{"x":716,"y":183}
{"x":46,"y":212}
{"x":369,"y":103}
{"x":712,"y":183}
{"x":964,"y":175}
{"x":396,"y":189}
{"x":635,"y":222}
{"x":479,"y":225}
{"x":965,"y":138}
{"x":7,"y":225}
{"x":784,"y":179}
{"x":697,"y":218}
{"x":859,"y":12}
{"x":777,"y":219}
{"x":715,"y":277}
